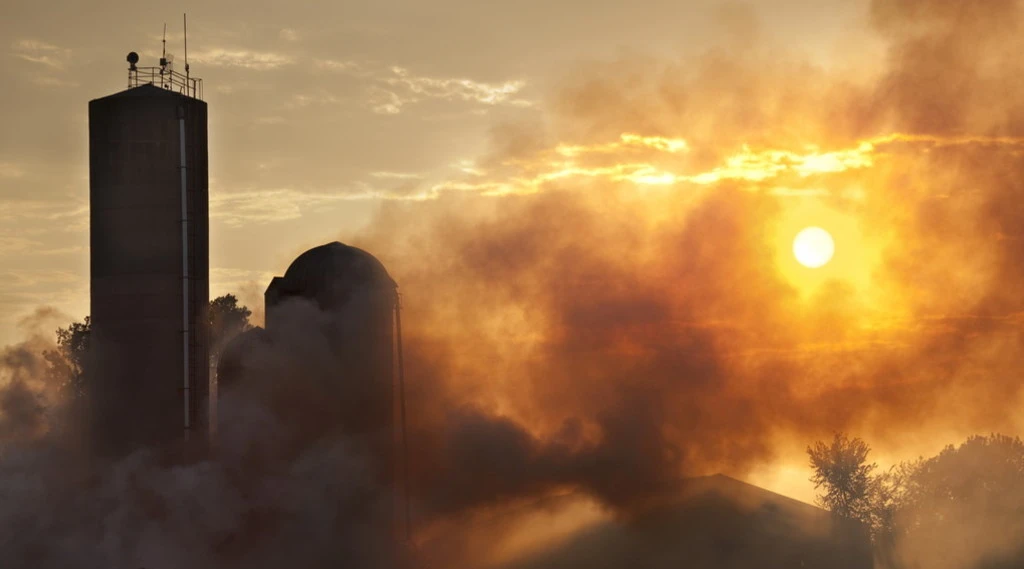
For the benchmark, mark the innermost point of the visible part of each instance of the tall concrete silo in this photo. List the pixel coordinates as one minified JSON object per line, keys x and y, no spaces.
{"x":149,"y":262}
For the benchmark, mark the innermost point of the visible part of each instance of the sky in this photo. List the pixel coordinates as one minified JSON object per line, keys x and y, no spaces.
{"x":577,"y":195}
{"x":319,"y":112}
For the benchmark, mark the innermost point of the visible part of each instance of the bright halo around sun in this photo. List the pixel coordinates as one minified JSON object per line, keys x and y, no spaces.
{"x":813,"y":247}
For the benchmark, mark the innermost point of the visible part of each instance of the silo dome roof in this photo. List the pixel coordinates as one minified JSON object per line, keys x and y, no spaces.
{"x":330,"y":274}
{"x":337,"y":261}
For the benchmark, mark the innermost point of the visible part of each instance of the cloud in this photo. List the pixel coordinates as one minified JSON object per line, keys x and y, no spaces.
{"x":799,"y":192}
{"x":755,"y":166}
{"x":573,"y":162}
{"x":30,"y":278}
{"x":773,"y":170}
{"x":336,"y":65}
{"x":778,"y":172}
{"x":322,"y":97}
{"x":626,"y":142}
{"x":73,"y":213}
{"x":49,"y":81}
{"x":396,"y":175}
{"x":9,"y":170}
{"x":270,"y":205}
{"x":461,"y":89}
{"x":271,"y":120}
{"x":400,"y":88}
{"x":42,"y":53}
{"x":13,"y":244}
{"x":391,"y":89}
{"x":230,"y":278}
{"x":242,"y":58}
{"x":386,"y":102}
{"x":54,"y":251}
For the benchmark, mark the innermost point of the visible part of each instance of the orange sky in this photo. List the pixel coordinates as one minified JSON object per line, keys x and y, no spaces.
{"x":583,"y":203}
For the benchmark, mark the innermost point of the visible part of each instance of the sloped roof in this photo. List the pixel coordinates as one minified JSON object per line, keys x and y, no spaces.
{"x":750,"y":496}
{"x":147,"y":90}
{"x":709,"y":522}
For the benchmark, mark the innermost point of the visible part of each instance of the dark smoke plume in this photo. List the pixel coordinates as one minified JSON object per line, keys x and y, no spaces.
{"x":595,"y":337}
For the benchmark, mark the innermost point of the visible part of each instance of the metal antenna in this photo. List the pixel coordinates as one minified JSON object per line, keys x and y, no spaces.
{"x":163,"y":59}
{"x":184,"y":19}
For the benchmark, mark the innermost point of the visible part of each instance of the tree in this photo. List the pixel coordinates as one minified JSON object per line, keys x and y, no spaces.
{"x":887,"y":499}
{"x":983,"y":473}
{"x":226,"y":319}
{"x":965,"y":506}
{"x":842,"y":471}
{"x":961,"y":508}
{"x":67,"y":364}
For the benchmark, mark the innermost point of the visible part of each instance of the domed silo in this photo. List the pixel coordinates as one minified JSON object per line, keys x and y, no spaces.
{"x":357,"y":300}
{"x":329,"y":359}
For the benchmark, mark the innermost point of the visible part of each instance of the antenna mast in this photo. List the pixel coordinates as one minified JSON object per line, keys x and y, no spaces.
{"x":163,"y":59}
{"x":184,"y":18}
{"x":166,"y":76}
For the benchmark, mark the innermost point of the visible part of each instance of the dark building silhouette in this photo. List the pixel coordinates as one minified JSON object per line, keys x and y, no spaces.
{"x":341,"y":296}
{"x":354,"y":288}
{"x":713,"y":522}
{"x":149,"y":263}
{"x":356,"y":302}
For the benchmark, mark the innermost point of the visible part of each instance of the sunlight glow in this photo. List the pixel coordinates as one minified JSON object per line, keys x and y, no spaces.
{"x":813,"y":247}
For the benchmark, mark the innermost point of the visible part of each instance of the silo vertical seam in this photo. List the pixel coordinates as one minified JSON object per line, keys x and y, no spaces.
{"x":184,"y":274}
{"x":405,"y":432}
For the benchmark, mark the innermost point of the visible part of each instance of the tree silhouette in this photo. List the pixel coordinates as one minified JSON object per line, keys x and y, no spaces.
{"x":841,"y":470}
{"x":965,"y":506}
{"x":67,"y":364}
{"x":989,"y":469}
{"x":226,"y":320}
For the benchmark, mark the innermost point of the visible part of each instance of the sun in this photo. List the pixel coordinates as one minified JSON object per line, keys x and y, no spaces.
{"x":813,"y":247}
